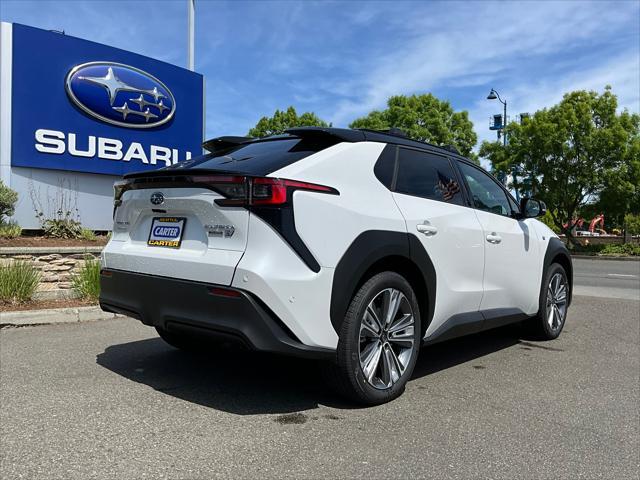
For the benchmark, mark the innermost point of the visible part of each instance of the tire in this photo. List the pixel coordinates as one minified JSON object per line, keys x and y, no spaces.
{"x":374,"y":360}
{"x":553,"y":306}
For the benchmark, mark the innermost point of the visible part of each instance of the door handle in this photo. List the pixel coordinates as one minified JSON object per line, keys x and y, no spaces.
{"x":426,"y":228}
{"x":493,"y":237}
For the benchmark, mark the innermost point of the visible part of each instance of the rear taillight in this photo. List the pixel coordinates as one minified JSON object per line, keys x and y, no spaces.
{"x":257,"y":191}
{"x":238,"y":190}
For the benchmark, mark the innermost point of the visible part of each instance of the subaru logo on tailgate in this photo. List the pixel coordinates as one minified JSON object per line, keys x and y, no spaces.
{"x":120,"y":94}
{"x":157,"y":198}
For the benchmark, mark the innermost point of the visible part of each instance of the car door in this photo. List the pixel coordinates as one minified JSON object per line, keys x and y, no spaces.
{"x":512,"y":258}
{"x":427,"y":191}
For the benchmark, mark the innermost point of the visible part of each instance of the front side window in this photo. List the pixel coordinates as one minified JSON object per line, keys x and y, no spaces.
{"x":485,"y":192}
{"x":427,"y":175}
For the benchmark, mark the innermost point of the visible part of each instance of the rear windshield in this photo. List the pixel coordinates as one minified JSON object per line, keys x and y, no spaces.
{"x":257,"y":158}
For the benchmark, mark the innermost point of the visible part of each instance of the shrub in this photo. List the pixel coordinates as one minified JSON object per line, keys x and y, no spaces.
{"x":10,"y":230}
{"x":62,"y":228}
{"x":88,"y":234}
{"x":18,"y":281}
{"x":632,"y":223}
{"x":8,"y":199}
{"x":618,"y":249}
{"x":86,"y":283}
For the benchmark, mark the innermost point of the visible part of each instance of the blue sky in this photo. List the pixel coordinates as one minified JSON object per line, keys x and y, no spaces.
{"x":343,"y":59}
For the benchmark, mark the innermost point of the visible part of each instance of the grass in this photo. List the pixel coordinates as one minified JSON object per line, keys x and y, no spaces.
{"x":18,"y":281}
{"x":86,"y":283}
{"x":10,"y":230}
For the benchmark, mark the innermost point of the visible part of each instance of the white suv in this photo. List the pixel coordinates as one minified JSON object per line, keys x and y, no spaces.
{"x":353,"y":246}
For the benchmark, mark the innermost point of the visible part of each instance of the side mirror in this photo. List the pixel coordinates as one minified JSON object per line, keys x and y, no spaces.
{"x":531,"y":208}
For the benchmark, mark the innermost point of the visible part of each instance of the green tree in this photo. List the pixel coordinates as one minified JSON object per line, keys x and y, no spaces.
{"x":570,"y":154}
{"x":426,"y":118}
{"x":8,"y":199}
{"x":281,"y":120}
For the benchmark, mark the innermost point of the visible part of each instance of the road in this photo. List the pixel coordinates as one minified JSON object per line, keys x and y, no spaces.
{"x":608,"y":278}
{"x":111,"y":400}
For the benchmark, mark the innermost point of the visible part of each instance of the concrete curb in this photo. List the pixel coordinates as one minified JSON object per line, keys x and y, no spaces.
{"x":604,"y":257}
{"x":54,"y":315}
{"x":47,"y":250}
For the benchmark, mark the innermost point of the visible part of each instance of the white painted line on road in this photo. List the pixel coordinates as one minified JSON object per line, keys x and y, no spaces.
{"x":621,"y":275}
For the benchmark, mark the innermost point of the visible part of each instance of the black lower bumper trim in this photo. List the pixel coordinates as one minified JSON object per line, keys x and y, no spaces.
{"x":192,"y":306}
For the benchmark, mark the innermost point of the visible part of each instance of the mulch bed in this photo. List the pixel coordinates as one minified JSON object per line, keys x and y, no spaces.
{"x":51,"y":242}
{"x":42,"y":304}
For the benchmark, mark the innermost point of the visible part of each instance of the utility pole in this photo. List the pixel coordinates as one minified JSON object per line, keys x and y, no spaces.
{"x":191,"y":15}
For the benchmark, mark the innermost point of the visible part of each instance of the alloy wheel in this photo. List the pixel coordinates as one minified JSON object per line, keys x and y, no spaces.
{"x":386,"y":338}
{"x":556,"y":301}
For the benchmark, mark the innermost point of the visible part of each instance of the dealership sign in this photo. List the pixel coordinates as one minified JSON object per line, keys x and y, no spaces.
{"x":74,"y":110}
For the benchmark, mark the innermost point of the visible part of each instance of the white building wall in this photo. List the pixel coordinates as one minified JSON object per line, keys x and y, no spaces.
{"x":89,"y":197}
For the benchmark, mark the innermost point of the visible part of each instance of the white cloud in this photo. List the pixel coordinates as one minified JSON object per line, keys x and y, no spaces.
{"x":502,"y":43}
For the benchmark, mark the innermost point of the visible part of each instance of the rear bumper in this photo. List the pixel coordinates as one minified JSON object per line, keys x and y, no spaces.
{"x":181,"y":305}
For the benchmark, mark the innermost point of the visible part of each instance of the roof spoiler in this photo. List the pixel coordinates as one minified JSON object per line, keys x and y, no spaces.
{"x":222,"y":143}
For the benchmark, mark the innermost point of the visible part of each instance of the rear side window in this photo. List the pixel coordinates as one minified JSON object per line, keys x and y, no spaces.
{"x":427,"y":175}
{"x":258,"y":158}
{"x":385,"y":165}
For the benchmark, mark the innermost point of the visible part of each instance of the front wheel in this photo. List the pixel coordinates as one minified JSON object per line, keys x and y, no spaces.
{"x":554,"y":302}
{"x":379,"y":340}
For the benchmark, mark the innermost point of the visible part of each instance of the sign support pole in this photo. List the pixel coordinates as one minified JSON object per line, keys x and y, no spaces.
{"x":191,"y":8}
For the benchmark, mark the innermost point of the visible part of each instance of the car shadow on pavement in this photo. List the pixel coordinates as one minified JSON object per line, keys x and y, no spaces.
{"x":244,"y":382}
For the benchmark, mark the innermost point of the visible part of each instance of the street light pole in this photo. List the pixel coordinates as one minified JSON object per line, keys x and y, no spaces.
{"x":504,"y":123}
{"x":191,"y":15}
{"x":493,"y":95}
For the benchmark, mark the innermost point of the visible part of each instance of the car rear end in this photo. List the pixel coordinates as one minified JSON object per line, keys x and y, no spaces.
{"x":180,"y":233}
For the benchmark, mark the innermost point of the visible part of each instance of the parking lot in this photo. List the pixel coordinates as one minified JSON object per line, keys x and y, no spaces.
{"x":110,"y":400}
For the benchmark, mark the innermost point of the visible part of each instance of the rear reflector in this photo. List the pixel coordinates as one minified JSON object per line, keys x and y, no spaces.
{"x":224,"y":292}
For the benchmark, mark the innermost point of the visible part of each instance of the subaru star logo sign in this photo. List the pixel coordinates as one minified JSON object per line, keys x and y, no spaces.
{"x":121,"y":95}
{"x":157,"y":198}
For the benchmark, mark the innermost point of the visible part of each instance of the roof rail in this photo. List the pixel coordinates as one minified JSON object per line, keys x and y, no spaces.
{"x":396,"y":132}
{"x":451,"y":148}
{"x":344,"y":134}
{"x":222,"y":143}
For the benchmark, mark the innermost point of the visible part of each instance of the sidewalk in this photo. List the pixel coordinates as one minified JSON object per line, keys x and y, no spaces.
{"x":605,"y":257}
{"x":54,"y":315}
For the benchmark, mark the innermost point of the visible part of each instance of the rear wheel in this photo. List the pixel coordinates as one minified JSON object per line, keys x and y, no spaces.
{"x":554,"y":302}
{"x":379,"y":340}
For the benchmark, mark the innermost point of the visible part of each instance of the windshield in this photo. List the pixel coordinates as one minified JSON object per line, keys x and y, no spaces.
{"x":256,"y":158}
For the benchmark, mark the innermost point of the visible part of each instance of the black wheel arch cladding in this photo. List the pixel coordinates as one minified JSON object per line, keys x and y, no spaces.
{"x":370,"y":248}
{"x":557,"y":252}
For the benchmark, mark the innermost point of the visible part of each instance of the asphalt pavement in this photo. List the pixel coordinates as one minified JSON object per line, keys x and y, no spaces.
{"x":109,"y":399}
{"x":607,"y":278}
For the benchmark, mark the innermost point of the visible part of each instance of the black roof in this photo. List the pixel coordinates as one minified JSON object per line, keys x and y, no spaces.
{"x":393,"y":136}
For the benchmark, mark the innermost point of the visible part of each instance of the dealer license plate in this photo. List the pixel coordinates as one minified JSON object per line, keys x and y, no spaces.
{"x":166,"y":232}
